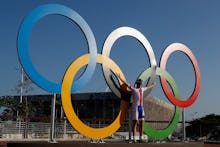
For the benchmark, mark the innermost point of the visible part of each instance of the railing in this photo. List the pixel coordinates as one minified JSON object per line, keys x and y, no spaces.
{"x":41,"y":130}
{"x":63,"y":130}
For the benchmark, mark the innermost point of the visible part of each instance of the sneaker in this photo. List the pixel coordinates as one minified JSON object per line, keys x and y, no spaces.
{"x":143,"y":141}
{"x":134,"y":141}
{"x":101,"y":141}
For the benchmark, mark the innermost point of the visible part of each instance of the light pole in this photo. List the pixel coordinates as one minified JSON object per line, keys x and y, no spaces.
{"x":21,"y":87}
{"x":21,"y":98}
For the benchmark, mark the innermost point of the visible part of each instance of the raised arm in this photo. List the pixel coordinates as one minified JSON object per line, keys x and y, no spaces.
{"x":122,"y":80}
{"x":152,"y":85}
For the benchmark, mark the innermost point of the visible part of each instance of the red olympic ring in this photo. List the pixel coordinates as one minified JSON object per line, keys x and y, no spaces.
{"x":180,"y":47}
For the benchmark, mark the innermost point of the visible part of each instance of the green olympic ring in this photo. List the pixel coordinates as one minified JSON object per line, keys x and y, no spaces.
{"x":161,"y":134}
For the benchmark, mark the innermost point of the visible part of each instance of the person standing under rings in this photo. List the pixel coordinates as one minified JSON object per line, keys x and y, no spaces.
{"x":137,"y":106}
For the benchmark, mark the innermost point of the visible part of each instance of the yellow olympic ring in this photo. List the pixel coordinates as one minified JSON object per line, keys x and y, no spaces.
{"x":67,"y":103}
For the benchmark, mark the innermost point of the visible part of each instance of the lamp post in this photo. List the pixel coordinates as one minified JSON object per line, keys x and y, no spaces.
{"x":21,"y":89}
{"x":21,"y":98}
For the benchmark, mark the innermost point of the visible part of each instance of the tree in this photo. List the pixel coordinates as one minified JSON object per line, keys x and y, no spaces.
{"x":11,"y":106}
{"x":25,"y":85}
{"x":208,"y":126}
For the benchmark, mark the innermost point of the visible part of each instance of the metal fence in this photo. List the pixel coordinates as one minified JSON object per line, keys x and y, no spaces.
{"x":41,"y":130}
{"x":63,"y":130}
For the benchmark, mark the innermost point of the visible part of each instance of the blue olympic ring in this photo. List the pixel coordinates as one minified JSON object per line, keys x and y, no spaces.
{"x":22,"y":45}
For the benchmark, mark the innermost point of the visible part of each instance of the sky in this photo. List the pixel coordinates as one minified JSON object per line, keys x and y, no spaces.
{"x":55,"y":42}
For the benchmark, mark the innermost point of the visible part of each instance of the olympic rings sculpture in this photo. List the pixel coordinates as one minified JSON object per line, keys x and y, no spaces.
{"x":109,"y":67}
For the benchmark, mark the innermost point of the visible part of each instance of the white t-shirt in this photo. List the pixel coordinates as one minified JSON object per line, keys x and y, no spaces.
{"x":138,"y":96}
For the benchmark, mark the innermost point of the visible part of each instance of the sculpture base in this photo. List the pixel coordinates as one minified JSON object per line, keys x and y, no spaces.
{"x":107,"y":144}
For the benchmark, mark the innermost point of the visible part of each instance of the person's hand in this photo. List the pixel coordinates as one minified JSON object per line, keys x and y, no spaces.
{"x":152,"y":85}
{"x":119,"y":77}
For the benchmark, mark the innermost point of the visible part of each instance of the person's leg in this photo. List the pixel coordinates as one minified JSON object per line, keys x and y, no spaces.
{"x":134,"y":125}
{"x":141,"y":128}
{"x":141,"y":122}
